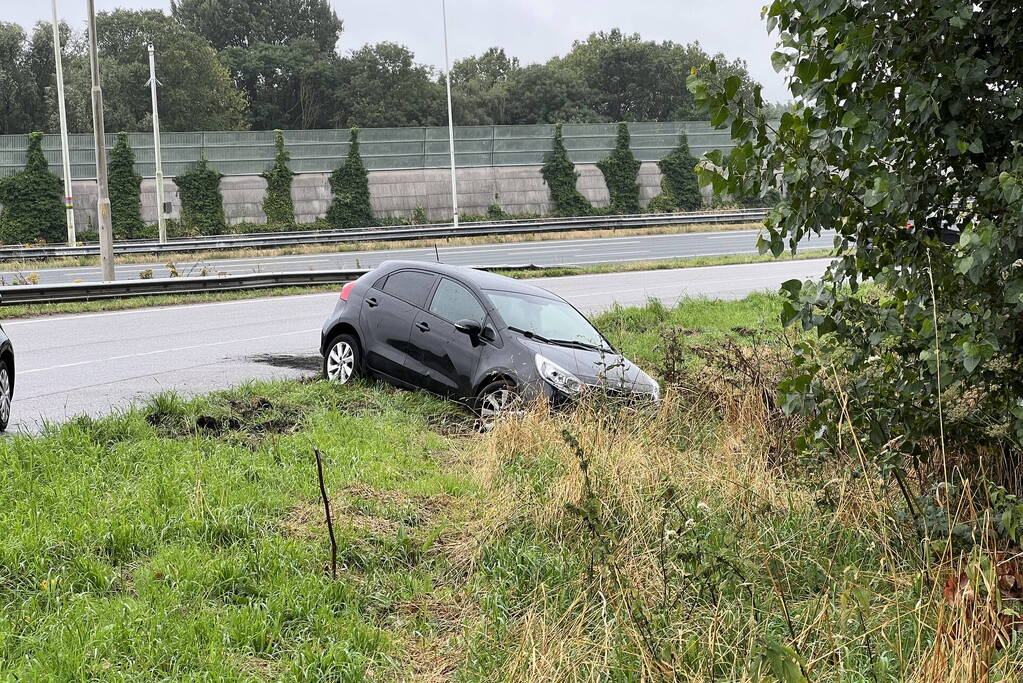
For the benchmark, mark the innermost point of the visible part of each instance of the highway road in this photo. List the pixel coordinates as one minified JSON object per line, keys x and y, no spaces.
{"x":576,"y":252}
{"x":101,"y":362}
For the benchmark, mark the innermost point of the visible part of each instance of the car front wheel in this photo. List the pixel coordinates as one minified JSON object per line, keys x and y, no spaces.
{"x":498,"y":399}
{"x":342,"y":360}
{"x":5,"y":396}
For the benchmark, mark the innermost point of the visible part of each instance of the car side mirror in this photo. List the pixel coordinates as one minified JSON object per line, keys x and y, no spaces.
{"x":469,"y":327}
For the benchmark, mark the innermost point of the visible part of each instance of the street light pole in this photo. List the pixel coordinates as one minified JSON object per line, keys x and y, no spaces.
{"x":160,"y":218}
{"x":69,"y":203}
{"x":106,"y":232}
{"x":451,"y":125}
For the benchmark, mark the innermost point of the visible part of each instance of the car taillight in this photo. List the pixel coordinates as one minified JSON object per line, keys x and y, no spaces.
{"x":346,"y":291}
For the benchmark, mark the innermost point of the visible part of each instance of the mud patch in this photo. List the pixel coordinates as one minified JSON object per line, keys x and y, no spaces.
{"x":372,"y":511}
{"x":306,"y":363}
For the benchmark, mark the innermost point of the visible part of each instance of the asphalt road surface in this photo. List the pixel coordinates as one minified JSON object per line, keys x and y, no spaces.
{"x":101,"y":362}
{"x":576,"y":252}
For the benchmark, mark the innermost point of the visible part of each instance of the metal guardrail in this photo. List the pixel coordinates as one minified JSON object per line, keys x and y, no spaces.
{"x":92,"y":291}
{"x":383,"y":234}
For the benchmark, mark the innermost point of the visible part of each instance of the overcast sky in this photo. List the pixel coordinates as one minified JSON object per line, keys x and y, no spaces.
{"x":532,"y":30}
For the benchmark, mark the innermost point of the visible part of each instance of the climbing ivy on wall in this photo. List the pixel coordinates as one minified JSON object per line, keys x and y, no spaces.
{"x":349,"y":184}
{"x":33,"y":208}
{"x":680,"y":189}
{"x":125,"y":192}
{"x":202,"y":204}
{"x":277,"y":203}
{"x":560,"y":175}
{"x":620,"y":171}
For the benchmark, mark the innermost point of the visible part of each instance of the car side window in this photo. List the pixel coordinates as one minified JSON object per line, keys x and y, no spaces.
{"x":454,"y":302}
{"x":412,"y":286}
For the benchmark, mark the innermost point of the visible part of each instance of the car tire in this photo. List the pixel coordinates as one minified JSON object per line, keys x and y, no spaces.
{"x":343,"y":360}
{"x":498,"y":398}
{"x":5,"y":395}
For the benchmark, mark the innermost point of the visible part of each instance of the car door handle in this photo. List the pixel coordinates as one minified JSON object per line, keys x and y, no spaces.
{"x":372,"y":302}
{"x":423,"y":326}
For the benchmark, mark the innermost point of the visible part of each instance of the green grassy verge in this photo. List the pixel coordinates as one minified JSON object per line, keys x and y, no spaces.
{"x":32,"y":310}
{"x":185,"y":539}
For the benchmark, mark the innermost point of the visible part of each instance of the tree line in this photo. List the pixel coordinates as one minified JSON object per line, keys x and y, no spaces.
{"x":275,"y":64}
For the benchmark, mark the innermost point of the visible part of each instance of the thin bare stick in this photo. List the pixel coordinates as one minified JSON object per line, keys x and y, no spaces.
{"x":937,"y":361}
{"x":326,"y":509}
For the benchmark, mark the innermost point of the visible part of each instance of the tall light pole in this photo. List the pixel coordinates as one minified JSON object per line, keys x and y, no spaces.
{"x":451,"y":125}
{"x":69,"y":202}
{"x":106,"y":232}
{"x":160,"y":219}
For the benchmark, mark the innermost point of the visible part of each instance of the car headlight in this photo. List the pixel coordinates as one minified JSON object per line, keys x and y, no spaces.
{"x":557,"y":376}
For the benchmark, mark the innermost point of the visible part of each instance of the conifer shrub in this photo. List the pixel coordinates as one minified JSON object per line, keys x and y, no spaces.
{"x":620,"y":171}
{"x":202,"y":204}
{"x":277,"y":203}
{"x":349,"y":184}
{"x":125,"y":192}
{"x":32,"y":201}
{"x":560,"y":175}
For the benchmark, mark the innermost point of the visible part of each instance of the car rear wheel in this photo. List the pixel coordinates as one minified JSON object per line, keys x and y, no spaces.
{"x":498,"y":399}
{"x":5,"y":396}
{"x":342,"y":361}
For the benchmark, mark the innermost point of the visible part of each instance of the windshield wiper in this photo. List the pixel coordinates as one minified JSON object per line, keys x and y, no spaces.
{"x":530,"y":334}
{"x":571,"y":343}
{"x":580,"y":345}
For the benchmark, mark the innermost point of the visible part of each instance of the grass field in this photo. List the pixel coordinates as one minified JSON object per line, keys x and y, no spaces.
{"x":186,"y":539}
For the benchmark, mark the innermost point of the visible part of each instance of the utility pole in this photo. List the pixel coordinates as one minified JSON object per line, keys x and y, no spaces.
{"x":106,"y":231}
{"x":69,"y":202}
{"x":160,"y":218}
{"x":451,"y":125}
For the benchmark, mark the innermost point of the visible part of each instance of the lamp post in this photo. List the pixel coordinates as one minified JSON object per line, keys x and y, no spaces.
{"x":106,"y":232}
{"x":69,"y":203}
{"x":451,"y":125}
{"x":160,"y":218}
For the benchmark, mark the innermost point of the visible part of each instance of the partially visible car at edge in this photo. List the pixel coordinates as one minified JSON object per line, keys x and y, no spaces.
{"x":6,"y":379}
{"x":485,"y":339}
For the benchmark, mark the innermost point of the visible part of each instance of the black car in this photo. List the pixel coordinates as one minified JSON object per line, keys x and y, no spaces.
{"x":6,"y":379}
{"x":482,"y":338}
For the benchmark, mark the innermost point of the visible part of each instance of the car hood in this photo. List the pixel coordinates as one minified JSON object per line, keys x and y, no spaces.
{"x":610,"y":370}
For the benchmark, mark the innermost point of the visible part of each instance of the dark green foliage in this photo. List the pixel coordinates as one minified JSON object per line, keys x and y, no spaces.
{"x":202,"y":205}
{"x":33,"y":208}
{"x":350,"y":187}
{"x":125,"y":188}
{"x":909,"y":145}
{"x":495,"y":212}
{"x":680,"y":188}
{"x":620,"y":172}
{"x":560,"y":175}
{"x":277,"y":204}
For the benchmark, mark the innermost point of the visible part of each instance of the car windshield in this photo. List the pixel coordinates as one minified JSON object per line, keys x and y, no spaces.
{"x":553,"y":320}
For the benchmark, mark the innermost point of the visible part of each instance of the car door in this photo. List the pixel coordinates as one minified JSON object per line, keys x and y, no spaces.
{"x":443,"y":359}
{"x":388,"y":311}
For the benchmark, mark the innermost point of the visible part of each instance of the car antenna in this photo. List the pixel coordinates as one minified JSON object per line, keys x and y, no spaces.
{"x":436,"y":252}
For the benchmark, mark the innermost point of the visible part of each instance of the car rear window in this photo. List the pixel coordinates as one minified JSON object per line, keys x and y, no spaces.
{"x":412,"y":286}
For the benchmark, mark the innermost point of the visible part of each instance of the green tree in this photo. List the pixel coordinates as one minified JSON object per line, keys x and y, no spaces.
{"x":277,"y":204}
{"x":545,"y":93}
{"x":202,"y":204}
{"x":907,"y":142}
{"x":560,"y":175}
{"x":19,"y":95}
{"x":382,"y":85}
{"x":31,"y":201}
{"x":480,"y":87}
{"x":125,"y":188}
{"x":247,"y":23}
{"x":620,"y":172}
{"x":349,"y":184}
{"x":680,"y":188}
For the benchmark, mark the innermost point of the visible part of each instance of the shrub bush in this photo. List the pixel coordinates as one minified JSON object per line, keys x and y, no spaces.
{"x":349,"y":184}
{"x":560,"y":175}
{"x":125,"y":188}
{"x":277,"y":204}
{"x":495,"y":212}
{"x":620,"y":172}
{"x":202,"y":205}
{"x":680,"y":189}
{"x":32,"y":201}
